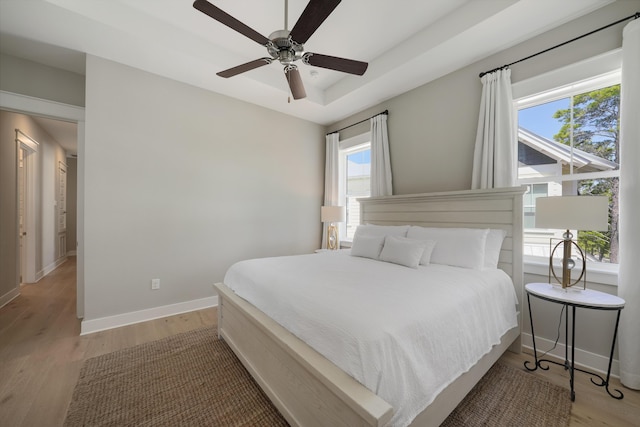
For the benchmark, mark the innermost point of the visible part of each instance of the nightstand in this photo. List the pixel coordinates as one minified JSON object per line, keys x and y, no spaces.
{"x":574,"y":298}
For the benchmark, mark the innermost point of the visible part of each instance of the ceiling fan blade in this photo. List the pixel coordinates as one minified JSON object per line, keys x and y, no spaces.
{"x":295,"y":82}
{"x":312,"y":17}
{"x":244,"y":67}
{"x":228,"y":20}
{"x":334,"y":63}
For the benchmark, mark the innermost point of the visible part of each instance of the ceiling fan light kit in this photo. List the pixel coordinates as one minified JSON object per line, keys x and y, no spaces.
{"x":286,"y":46}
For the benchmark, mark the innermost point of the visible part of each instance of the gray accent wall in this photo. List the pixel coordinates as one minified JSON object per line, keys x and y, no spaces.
{"x":180,"y":183}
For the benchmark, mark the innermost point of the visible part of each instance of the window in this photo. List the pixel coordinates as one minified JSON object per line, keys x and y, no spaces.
{"x":568,"y":144}
{"x":534,"y":191}
{"x":355,"y":179}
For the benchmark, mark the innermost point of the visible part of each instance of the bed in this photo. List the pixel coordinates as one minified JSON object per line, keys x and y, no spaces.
{"x":306,"y":386}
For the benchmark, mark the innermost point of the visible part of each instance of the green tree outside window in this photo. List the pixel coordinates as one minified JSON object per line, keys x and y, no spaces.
{"x":592,"y":122}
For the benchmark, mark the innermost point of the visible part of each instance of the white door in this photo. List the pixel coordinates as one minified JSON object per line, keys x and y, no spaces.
{"x":22,"y":226}
{"x":27,"y":163}
{"x":62,"y":210}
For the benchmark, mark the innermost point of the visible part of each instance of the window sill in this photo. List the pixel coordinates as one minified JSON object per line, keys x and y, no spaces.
{"x":605,"y":274}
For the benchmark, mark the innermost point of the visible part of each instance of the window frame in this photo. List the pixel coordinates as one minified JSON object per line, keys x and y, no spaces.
{"x":593,"y":73}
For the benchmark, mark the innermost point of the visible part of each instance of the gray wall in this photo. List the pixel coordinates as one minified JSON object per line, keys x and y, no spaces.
{"x":432,"y":133}
{"x":180,"y":183}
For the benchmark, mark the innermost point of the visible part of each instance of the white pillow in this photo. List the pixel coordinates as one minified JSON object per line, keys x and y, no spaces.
{"x":460,"y":247}
{"x":403,"y":251}
{"x":381,"y":230}
{"x":367,"y":246}
{"x":428,"y":252}
{"x":493,"y":246}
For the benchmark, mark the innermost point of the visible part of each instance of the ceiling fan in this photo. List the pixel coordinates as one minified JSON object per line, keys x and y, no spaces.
{"x":287,"y":46}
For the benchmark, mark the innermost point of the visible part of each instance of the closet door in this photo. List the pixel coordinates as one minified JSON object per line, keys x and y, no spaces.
{"x":62,"y":209}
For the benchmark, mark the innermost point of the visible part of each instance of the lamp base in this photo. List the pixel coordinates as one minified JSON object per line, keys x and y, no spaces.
{"x":567,"y":262}
{"x":332,"y":237}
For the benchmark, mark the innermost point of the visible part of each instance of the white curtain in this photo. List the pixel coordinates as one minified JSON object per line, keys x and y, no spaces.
{"x":331,"y":178}
{"x":629,"y":279}
{"x":381,"y":184}
{"x":493,"y":159}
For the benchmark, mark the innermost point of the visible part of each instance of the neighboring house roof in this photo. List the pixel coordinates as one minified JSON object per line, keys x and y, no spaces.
{"x":560,"y":152}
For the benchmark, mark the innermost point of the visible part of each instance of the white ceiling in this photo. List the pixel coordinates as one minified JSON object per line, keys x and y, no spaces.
{"x":407,"y":43}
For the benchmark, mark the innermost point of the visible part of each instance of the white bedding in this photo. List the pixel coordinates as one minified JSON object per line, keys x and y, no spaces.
{"x":404,"y":333}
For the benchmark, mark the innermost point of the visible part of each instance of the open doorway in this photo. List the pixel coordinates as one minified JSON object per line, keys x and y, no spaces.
{"x":41,"y":108}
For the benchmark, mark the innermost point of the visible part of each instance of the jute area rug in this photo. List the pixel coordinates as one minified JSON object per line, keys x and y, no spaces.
{"x":194,"y":379}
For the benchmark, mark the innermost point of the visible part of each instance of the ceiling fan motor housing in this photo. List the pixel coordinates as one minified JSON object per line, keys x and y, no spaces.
{"x":283,"y":48}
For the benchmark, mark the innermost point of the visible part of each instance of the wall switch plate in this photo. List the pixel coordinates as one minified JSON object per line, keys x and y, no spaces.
{"x":155,"y":283}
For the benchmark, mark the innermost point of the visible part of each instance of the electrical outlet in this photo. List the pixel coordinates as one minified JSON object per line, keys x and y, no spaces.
{"x":155,"y":283}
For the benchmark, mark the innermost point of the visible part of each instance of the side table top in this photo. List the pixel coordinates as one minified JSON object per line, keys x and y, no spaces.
{"x":583,"y":297}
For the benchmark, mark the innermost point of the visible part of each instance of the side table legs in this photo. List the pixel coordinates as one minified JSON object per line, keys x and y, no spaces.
{"x":570,"y":365}
{"x":619,"y":395}
{"x":536,"y":364}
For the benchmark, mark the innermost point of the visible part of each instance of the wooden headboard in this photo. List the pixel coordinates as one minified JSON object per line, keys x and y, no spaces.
{"x":494,"y":208}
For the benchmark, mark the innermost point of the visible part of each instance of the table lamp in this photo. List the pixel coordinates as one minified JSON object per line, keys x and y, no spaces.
{"x":571,"y":213}
{"x":332,"y":215}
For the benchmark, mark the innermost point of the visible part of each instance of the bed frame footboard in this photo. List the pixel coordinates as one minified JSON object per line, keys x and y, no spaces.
{"x":306,"y":388}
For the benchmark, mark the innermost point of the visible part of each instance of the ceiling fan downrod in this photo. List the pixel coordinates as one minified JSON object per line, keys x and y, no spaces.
{"x":286,"y":15}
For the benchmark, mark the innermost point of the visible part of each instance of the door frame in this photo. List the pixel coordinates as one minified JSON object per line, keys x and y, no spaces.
{"x":55,"y":110}
{"x":31,"y":146}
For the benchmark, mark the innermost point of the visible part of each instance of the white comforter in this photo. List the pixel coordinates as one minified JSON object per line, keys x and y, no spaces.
{"x":404,"y":333}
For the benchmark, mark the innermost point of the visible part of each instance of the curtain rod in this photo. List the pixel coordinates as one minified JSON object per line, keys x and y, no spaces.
{"x":634,"y":16}
{"x":385,"y":112}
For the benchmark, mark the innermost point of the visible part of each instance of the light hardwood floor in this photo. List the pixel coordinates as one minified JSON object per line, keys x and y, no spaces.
{"x":41,"y":353}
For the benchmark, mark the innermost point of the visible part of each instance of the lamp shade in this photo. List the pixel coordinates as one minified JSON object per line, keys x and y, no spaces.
{"x":573,"y":213}
{"x":333,"y":214}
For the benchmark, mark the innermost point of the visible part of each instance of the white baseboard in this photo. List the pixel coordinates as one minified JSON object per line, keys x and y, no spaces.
{"x":49,"y":268}
{"x":590,"y":361}
{"x":72,"y":253}
{"x":9,"y":296}
{"x":118,"y":320}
